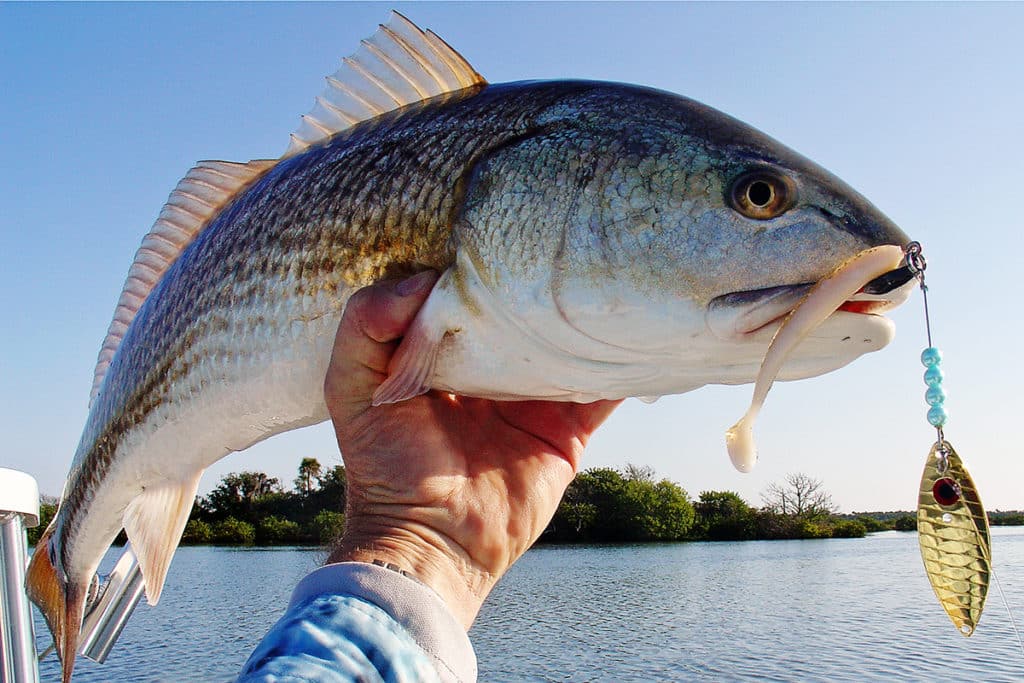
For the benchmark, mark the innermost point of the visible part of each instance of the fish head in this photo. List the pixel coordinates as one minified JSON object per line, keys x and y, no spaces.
{"x":718,"y":233}
{"x":791,"y":223}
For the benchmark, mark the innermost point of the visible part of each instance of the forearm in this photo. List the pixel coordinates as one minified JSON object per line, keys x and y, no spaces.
{"x":424,"y":555}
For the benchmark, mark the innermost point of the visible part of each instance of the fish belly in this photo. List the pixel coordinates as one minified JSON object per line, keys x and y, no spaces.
{"x":260,"y":375}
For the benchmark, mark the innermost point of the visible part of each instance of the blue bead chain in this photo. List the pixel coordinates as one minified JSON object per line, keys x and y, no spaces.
{"x":931,"y":357}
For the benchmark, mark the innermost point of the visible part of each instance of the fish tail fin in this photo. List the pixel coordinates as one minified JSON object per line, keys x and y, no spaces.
{"x":61,"y":602}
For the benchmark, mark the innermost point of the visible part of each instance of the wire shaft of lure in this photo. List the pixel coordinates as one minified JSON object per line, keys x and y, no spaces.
{"x":917,"y":264}
{"x":1009,"y":612}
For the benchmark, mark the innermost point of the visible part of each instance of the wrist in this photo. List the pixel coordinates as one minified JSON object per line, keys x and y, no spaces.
{"x":423,"y":556}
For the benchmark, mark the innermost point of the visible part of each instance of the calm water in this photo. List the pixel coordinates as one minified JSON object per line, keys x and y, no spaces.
{"x":834,"y":610}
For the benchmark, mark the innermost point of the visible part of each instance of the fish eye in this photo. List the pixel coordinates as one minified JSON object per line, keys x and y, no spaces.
{"x":762,"y":195}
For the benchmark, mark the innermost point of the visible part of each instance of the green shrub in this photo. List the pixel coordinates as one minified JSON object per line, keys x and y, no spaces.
{"x":276,"y":531}
{"x":46,"y":513}
{"x":848,"y":528}
{"x":807,"y":529}
{"x":231,"y":531}
{"x":723,"y":516}
{"x":603,"y":504}
{"x":197,"y":532}
{"x":871,"y":524}
{"x":326,"y":526}
{"x":1006,"y":518}
{"x":905,"y":523}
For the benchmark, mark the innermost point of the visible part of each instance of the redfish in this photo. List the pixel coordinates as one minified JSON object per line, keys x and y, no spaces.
{"x":596,"y":240}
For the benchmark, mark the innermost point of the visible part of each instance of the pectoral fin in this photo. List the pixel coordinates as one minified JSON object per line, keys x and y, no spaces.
{"x":412,"y":367}
{"x":411,"y":370}
{"x":154,"y":522}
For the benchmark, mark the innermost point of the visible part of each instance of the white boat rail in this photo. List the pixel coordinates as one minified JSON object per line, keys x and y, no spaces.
{"x":19,"y":510}
{"x":106,"y":614}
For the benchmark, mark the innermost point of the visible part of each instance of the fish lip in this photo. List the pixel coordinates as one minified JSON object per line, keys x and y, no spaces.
{"x":742,"y":314}
{"x":736,"y":315}
{"x":894,"y":279}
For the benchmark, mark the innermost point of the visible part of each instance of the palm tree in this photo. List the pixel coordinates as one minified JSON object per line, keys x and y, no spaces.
{"x":309,"y":471}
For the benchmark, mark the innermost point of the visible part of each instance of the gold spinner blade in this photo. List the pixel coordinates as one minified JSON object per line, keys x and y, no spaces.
{"x":954,"y":537}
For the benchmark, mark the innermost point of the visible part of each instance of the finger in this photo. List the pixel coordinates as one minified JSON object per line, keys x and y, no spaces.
{"x":383,"y":312}
{"x":375,"y":318}
{"x":590,"y":416}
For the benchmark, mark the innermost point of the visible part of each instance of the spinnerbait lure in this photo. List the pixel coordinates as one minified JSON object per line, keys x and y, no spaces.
{"x":951,"y":523}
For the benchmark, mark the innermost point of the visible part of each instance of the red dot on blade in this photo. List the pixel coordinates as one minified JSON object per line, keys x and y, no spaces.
{"x":946,"y":492}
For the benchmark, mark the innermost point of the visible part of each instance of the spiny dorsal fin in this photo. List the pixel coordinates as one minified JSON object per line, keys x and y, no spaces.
{"x":398,"y":65}
{"x":199,"y":196}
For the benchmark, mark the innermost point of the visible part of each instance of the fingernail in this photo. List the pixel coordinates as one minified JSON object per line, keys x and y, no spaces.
{"x":417,"y":283}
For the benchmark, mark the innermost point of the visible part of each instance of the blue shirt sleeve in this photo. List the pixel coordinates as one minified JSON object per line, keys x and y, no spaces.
{"x":360,"y":622}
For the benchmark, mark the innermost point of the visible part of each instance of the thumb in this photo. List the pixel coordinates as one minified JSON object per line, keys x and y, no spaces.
{"x":373,"y":323}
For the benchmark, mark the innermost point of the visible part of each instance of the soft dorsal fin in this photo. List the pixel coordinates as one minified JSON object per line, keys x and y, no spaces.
{"x":199,"y":196}
{"x":398,"y":65}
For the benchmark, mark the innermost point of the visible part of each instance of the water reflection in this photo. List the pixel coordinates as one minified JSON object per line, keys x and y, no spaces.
{"x":835,"y":610}
{"x":831,"y":610}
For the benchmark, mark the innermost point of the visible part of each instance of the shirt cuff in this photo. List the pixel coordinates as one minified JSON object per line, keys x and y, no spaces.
{"x":412,"y":604}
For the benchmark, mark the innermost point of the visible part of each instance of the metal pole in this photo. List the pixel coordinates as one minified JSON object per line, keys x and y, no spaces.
{"x":19,"y":508}
{"x":119,"y":595}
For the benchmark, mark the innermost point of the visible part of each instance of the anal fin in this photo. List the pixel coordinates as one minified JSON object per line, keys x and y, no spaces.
{"x":154,"y":522}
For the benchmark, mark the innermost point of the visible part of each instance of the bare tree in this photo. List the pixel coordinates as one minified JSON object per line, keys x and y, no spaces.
{"x":255,"y":485}
{"x":236,"y":494}
{"x":641,"y":473}
{"x":799,"y":496}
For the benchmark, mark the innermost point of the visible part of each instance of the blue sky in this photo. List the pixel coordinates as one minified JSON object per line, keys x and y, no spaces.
{"x":106,"y":106}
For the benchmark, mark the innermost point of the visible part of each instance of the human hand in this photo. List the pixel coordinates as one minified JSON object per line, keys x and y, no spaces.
{"x":451,"y":489}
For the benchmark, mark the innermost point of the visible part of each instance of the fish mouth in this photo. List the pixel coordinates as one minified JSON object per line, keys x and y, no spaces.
{"x":738,"y":316}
